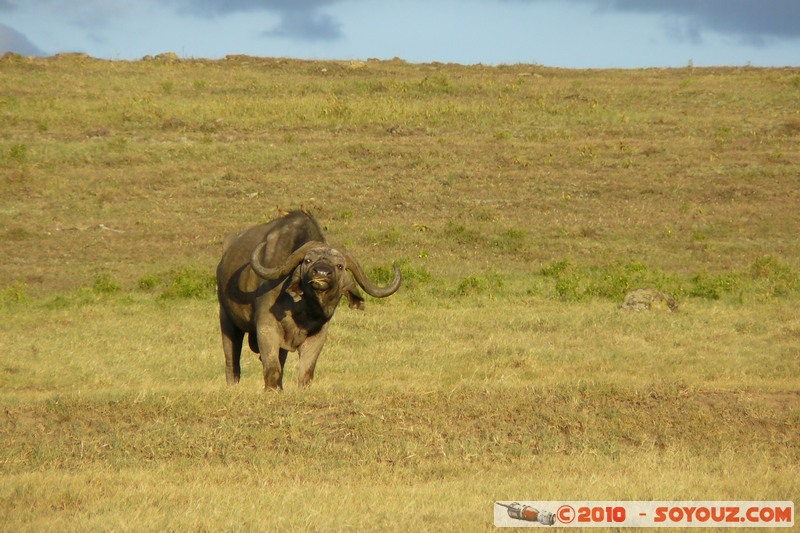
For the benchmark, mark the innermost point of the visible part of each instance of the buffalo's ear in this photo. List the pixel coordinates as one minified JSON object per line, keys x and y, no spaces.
{"x":355,"y":300}
{"x":349,"y":288}
{"x":295,"y":290}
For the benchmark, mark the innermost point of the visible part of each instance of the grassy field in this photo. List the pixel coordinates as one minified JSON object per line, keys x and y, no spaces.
{"x":521,"y":202}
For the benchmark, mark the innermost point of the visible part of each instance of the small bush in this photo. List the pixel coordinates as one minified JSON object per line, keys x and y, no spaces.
{"x":413,"y":276}
{"x":773,"y":278}
{"x":471,"y":285}
{"x":189,"y":282}
{"x":568,"y":289}
{"x":511,"y":240}
{"x":712,"y":287}
{"x":149,"y":283}
{"x":769,"y":267}
{"x":555,"y":269}
{"x":489,"y":283}
{"x":104,"y":284}
{"x":15,"y":294}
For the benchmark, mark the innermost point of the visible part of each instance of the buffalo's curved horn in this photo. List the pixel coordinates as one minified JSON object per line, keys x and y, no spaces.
{"x":291,"y":262}
{"x":366,"y":284}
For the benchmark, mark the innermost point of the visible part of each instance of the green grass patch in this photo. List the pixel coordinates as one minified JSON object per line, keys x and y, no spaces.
{"x":180,"y":283}
{"x":767,"y":277}
{"x":414,"y":276}
{"x":489,"y":283}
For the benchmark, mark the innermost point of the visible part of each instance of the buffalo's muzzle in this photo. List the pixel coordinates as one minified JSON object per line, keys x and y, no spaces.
{"x":322,"y":271}
{"x":321,"y":277}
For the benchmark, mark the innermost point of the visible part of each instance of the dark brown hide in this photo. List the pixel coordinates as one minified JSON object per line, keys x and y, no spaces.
{"x":280,"y":283}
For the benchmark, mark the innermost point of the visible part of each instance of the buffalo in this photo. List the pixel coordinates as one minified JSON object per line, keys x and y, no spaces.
{"x":280,"y":283}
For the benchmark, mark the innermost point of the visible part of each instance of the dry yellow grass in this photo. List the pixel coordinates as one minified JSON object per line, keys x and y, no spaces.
{"x":521,"y":202}
{"x":416,"y":419}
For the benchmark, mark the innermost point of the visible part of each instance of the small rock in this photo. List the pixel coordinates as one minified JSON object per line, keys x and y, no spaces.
{"x":648,"y":300}
{"x":168,"y":56}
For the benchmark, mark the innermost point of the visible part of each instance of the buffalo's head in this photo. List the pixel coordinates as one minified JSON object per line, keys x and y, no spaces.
{"x":325,"y":274}
{"x":322,"y":269}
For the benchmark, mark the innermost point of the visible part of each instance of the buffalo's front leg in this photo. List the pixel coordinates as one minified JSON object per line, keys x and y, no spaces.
{"x":269,"y":346}
{"x":232,"y":346}
{"x":309,"y":353}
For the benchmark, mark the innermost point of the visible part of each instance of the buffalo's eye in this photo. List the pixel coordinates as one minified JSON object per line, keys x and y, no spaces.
{"x":307,"y":260}
{"x":340,"y":266}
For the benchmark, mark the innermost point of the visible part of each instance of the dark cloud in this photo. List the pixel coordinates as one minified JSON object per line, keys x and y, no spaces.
{"x":299,"y":19}
{"x":80,"y":13}
{"x":752,"y":21}
{"x":13,"y":41}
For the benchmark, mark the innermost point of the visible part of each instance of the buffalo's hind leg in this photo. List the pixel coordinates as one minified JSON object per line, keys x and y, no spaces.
{"x":232,"y":338}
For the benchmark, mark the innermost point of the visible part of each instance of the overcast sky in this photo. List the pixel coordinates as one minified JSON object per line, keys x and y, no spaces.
{"x":563,"y":33}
